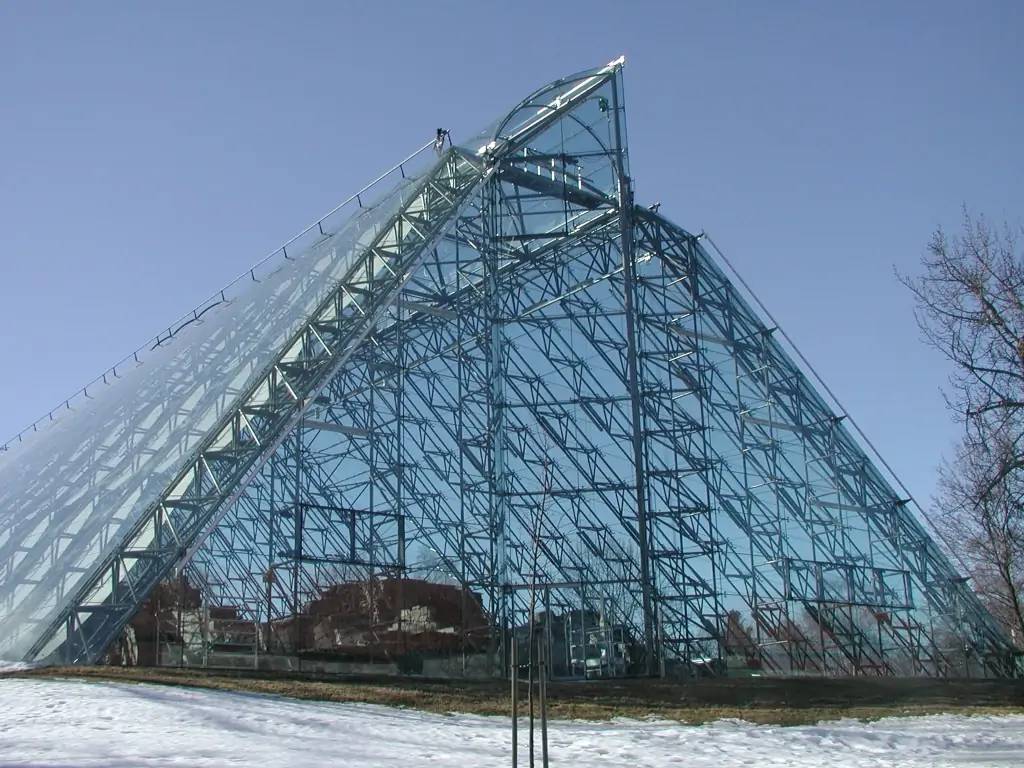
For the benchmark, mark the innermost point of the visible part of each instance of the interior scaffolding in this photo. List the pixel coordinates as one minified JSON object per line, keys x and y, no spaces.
{"x":516,"y":379}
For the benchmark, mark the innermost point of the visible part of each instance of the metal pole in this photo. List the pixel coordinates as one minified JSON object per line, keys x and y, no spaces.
{"x":181,"y":621}
{"x":271,"y":574}
{"x":543,"y":654}
{"x":547,"y":623}
{"x":530,"y":661}
{"x":629,"y":301}
{"x":497,"y":501}
{"x":297,"y":549}
{"x":514,"y":674}
{"x":460,"y":432}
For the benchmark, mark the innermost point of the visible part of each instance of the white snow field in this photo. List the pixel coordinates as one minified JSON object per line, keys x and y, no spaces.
{"x":64,"y":723}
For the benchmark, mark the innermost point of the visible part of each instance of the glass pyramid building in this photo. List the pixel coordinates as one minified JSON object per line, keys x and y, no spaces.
{"x":490,"y":369}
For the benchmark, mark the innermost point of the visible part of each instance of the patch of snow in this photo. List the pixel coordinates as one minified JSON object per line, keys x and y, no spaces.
{"x":14,"y":666}
{"x":54,"y":722}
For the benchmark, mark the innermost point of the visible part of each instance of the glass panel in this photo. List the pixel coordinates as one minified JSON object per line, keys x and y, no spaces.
{"x":70,"y":490}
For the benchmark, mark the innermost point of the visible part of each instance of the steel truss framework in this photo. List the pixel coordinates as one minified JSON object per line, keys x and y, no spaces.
{"x":526,"y":378}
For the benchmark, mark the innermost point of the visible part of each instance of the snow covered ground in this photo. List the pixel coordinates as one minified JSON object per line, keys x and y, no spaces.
{"x":65,"y":723}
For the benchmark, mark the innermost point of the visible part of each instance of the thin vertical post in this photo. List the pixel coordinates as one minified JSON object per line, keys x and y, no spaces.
{"x":399,"y":444}
{"x":297,"y":551}
{"x":181,"y":621}
{"x":271,"y":574}
{"x":531,"y":657}
{"x":543,"y":675}
{"x":547,"y":623}
{"x":460,"y":365}
{"x":157,"y":622}
{"x":497,"y":497}
{"x":625,"y":194}
{"x":514,"y":676}
{"x":205,"y":637}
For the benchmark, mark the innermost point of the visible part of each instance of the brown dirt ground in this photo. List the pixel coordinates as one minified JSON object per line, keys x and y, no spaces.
{"x":781,"y":701}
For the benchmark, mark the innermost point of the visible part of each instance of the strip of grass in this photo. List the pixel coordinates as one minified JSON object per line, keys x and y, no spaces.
{"x":586,"y":702}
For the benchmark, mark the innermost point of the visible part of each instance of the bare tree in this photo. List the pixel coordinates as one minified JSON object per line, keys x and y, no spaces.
{"x":970,"y":307}
{"x":984,"y":521}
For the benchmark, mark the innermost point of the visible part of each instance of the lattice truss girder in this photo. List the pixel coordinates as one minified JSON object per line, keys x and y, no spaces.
{"x":514,"y":349}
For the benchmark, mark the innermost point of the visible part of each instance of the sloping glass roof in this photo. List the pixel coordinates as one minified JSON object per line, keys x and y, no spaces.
{"x":540,"y":109}
{"x":73,"y":486}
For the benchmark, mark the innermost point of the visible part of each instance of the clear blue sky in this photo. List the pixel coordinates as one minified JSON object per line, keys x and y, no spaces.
{"x":151,"y":151}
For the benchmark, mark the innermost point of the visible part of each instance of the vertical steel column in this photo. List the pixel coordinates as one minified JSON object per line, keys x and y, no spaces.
{"x":513,"y":673}
{"x":399,"y":467}
{"x":297,"y":523}
{"x":625,"y":193}
{"x":497,"y":490}
{"x":270,"y":576}
{"x":460,"y":370}
{"x":705,"y":383}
